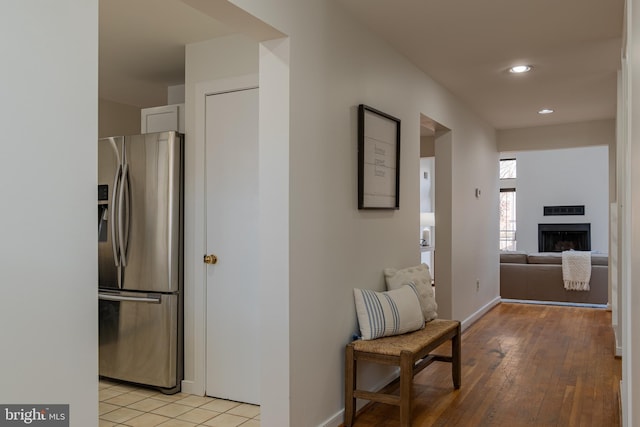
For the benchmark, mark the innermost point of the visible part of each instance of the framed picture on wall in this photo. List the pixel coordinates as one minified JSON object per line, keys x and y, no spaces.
{"x":378,"y":159}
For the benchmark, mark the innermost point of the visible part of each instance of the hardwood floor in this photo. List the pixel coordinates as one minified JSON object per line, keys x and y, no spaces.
{"x":522,"y":365}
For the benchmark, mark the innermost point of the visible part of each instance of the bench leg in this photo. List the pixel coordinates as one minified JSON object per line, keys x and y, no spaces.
{"x":350,"y":371}
{"x":406,"y":383}
{"x":456,"y":365}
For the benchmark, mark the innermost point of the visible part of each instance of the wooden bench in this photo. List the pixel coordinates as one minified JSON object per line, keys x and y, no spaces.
{"x":403,"y":351}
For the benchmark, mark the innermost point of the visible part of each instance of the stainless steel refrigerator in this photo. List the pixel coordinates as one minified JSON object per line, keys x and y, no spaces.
{"x":140,"y":247}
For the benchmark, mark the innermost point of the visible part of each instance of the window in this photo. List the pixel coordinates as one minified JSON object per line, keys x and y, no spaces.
{"x":507,"y":219}
{"x":508,"y":205}
{"x":507,"y":169}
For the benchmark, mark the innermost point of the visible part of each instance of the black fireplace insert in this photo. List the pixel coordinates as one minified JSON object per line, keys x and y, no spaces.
{"x":564,"y":237}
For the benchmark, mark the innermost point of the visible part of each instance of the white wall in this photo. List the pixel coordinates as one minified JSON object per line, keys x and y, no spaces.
{"x":427,"y":202}
{"x":443,"y":256}
{"x":577,"y":176}
{"x":274,"y":231}
{"x":205,"y":62}
{"x":630,"y":236}
{"x":48,"y":243}
{"x":427,"y":146}
{"x":618,"y":240}
{"x":570,"y":135}
{"x":474,"y":220}
{"x":175,"y":94}
{"x":335,"y":64}
{"x":115,"y":118}
{"x":427,"y":186}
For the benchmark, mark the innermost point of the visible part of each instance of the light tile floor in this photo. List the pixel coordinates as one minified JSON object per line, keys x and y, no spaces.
{"x":123,"y":404}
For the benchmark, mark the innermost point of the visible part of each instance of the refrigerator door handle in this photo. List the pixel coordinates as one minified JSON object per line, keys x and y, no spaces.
{"x":123,"y":220}
{"x":111,"y":297}
{"x":115,"y":244}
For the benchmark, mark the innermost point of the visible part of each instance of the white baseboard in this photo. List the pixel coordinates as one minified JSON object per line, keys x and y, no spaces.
{"x":618,"y":343}
{"x":337,"y":419}
{"x":478,"y":314}
{"x":623,"y":405}
{"x":566,"y":304}
{"x":190,"y":387}
{"x":334,"y":421}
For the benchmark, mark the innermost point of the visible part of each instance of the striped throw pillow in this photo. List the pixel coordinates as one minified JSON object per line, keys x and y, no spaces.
{"x":382,"y":314}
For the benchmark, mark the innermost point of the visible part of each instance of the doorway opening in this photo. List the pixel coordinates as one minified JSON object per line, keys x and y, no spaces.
{"x":428,"y":135}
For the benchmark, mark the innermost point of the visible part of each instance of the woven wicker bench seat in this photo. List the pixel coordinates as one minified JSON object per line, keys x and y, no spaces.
{"x":402,"y":351}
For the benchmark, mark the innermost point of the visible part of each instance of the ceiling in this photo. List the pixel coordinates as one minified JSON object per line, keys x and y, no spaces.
{"x":466,"y":45}
{"x":141,"y":47}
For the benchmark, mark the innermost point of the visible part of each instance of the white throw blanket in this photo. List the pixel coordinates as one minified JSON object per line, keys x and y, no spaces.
{"x":576,"y":270}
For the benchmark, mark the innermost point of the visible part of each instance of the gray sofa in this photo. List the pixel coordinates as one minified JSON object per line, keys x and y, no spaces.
{"x":538,"y":276}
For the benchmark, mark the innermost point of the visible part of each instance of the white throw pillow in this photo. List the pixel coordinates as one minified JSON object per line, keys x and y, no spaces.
{"x":420,"y":276}
{"x":382,"y":314}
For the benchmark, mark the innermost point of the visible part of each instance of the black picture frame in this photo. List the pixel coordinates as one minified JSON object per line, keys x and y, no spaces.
{"x":378,"y":159}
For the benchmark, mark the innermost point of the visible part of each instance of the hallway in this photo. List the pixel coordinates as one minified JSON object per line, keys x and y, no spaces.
{"x":523,"y":365}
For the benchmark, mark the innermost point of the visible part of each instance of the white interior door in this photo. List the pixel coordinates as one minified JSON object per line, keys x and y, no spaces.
{"x":233,"y":354}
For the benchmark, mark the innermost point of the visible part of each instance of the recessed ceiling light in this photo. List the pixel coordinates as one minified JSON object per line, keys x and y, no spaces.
{"x":518,"y":69}
{"x":545,"y":111}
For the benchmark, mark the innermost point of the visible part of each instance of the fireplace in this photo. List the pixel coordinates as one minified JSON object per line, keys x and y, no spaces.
{"x":564,"y":237}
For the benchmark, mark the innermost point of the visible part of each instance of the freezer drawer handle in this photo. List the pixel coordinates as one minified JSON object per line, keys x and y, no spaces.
{"x":109,"y":297}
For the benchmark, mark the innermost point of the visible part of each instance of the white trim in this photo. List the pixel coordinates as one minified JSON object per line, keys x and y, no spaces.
{"x":478,"y":314}
{"x":274,"y":258}
{"x":621,"y":403}
{"x":625,"y":199}
{"x":190,"y":387}
{"x":618,"y":348}
{"x":199,"y":244}
{"x":335,"y":421}
{"x":560,"y":303}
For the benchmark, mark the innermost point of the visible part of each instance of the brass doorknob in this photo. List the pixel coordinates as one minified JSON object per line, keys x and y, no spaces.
{"x":210,"y":259}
